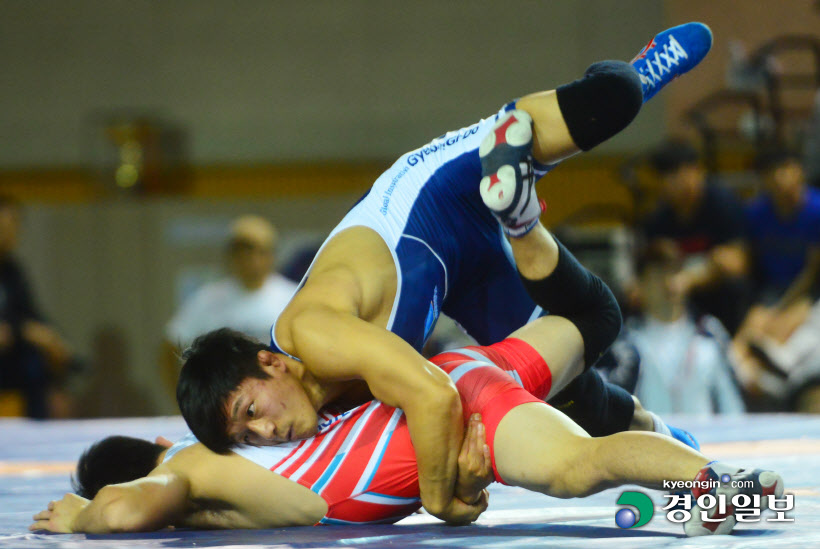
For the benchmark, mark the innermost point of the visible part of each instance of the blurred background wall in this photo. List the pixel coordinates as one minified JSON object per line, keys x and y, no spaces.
{"x":261,"y":81}
{"x":133,"y":131}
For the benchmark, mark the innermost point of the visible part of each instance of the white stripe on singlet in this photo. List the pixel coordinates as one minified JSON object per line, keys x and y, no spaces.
{"x":315,"y":454}
{"x":341,"y":454}
{"x":292,"y":458}
{"x":378,"y":453}
{"x":475,"y":355}
{"x":478,"y":356}
{"x":459,"y":371}
{"x":382,"y":499}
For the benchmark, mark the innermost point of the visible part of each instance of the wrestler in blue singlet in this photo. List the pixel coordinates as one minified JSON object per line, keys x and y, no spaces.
{"x":450,"y":253}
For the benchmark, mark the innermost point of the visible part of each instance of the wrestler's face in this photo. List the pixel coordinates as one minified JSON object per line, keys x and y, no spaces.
{"x":264,"y":412}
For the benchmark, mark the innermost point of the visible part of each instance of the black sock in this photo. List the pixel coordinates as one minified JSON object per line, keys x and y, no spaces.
{"x":602,"y":103}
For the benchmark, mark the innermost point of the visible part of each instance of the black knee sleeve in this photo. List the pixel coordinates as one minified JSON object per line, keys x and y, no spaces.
{"x":600,"y":408}
{"x":602,"y":103}
{"x":571,"y":291}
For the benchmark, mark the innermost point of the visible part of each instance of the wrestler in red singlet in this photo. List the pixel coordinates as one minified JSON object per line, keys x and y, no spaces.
{"x":362,"y":462}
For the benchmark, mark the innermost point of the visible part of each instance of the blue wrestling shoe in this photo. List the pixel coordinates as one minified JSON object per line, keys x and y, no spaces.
{"x":508,"y":182}
{"x":734,"y":492}
{"x":670,"y":54}
{"x":685,"y":437}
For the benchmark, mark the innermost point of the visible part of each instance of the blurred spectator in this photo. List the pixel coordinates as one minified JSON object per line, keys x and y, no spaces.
{"x":784,"y":231}
{"x":684,"y":362}
{"x":33,"y":356}
{"x":784,"y":244}
{"x":700,"y":221}
{"x":248,"y":300}
{"x":789,"y":369}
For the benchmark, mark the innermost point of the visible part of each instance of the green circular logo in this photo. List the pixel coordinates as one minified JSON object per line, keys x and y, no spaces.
{"x":629,"y":518}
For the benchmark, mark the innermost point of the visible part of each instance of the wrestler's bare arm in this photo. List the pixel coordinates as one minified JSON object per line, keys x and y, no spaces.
{"x":250,"y":497}
{"x":192,"y":489}
{"x":146,"y":504}
{"x":340,"y":346}
{"x":333,"y":325}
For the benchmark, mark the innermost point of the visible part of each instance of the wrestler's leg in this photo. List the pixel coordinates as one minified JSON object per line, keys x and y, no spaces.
{"x":545,"y":357}
{"x":548,"y":127}
{"x":535,"y":446}
{"x":584,"y":113}
{"x":499,"y":306}
{"x":559,"y":344}
{"x":560,"y":284}
{"x":552,"y":125}
{"x":557,"y":282}
{"x":539,"y":448}
{"x":562,"y":122}
{"x":551,"y":140}
{"x":559,"y":459}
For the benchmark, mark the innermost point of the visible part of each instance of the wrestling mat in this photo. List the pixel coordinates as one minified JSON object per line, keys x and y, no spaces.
{"x":36,"y":459}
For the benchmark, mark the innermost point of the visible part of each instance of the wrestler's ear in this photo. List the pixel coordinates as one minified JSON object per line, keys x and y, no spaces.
{"x":269,"y":361}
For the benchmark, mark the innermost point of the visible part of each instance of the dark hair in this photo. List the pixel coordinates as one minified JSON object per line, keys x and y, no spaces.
{"x":114,"y":460}
{"x":770,"y":159}
{"x":214,"y":367}
{"x":671,"y":155}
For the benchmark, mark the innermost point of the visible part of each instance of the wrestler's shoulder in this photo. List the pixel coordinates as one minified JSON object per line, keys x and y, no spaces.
{"x":357,"y":258}
{"x":353,"y":274}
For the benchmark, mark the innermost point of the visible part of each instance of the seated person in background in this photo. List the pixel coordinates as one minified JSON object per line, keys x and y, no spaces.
{"x":360,"y":467}
{"x":803,"y":385}
{"x":792,"y":367}
{"x":702,"y":221}
{"x":32,"y":354}
{"x":784,"y":244}
{"x":248,"y":300}
{"x":685,"y":365}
